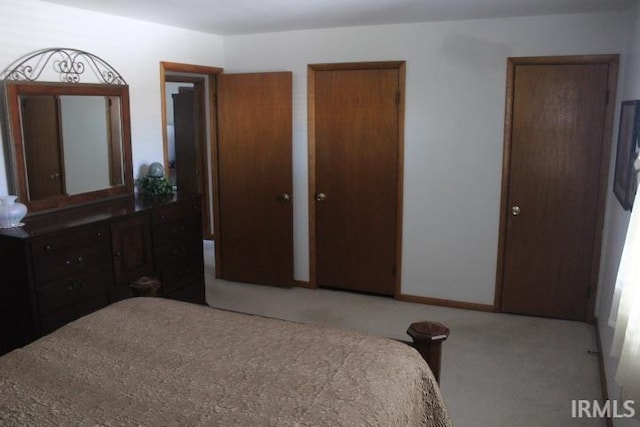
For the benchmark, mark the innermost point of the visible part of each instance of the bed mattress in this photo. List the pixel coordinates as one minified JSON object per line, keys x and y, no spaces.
{"x":152,"y":361}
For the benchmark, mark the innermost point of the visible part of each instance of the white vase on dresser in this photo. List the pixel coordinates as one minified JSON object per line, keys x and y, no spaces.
{"x":11,"y":212}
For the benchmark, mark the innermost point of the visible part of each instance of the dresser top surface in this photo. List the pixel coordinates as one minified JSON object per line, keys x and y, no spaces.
{"x":41,"y":224}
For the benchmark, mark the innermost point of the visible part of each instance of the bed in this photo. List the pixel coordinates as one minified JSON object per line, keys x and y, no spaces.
{"x":153,"y":361}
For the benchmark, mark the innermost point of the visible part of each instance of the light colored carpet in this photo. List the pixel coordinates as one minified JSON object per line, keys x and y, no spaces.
{"x":497,"y":370}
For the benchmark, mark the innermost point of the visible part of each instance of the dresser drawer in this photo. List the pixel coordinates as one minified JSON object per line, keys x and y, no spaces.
{"x":179,"y":211}
{"x":179,"y":252}
{"x":74,"y":261}
{"x":69,"y":291}
{"x":175,"y":231}
{"x":95,"y":235}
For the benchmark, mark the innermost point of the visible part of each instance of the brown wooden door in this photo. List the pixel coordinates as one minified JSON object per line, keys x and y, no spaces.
{"x":356,"y":145}
{"x":255,"y":177}
{"x":558,"y":153}
{"x":43,"y":146}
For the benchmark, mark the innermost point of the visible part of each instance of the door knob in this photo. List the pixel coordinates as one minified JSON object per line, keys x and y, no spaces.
{"x":515,"y":210}
{"x":284,"y":197}
{"x":321,"y":197}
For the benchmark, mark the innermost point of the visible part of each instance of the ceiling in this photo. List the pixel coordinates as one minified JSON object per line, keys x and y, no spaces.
{"x":228,"y":17}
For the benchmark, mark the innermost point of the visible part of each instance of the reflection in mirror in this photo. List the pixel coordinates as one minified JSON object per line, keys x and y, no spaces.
{"x":69,"y":144}
{"x":72,"y":144}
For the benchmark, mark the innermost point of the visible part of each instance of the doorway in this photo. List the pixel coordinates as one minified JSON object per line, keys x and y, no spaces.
{"x":558,"y":124}
{"x":356,"y":115}
{"x":249,"y":167}
{"x":202,"y":81}
{"x":187,"y":136}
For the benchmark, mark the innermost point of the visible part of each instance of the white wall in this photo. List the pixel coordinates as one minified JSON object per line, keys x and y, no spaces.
{"x":455,"y":89}
{"x":132,"y":47}
{"x":617,"y":219}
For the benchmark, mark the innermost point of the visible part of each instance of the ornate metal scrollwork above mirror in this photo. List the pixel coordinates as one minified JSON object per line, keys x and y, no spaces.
{"x":68,"y":141}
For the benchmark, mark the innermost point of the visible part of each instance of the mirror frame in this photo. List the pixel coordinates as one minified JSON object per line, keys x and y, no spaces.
{"x":14,"y":142}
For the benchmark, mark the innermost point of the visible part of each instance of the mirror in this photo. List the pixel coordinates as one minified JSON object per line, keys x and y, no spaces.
{"x":69,"y":142}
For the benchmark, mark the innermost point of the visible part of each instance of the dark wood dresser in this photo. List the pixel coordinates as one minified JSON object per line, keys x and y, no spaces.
{"x":60,"y":266}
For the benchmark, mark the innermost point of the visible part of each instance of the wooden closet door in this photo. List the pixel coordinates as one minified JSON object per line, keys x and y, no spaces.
{"x":559,"y":150}
{"x":255,"y":177}
{"x":356,"y":152}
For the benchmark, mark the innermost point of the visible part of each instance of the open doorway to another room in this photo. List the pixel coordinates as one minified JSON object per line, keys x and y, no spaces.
{"x":189,"y":134}
{"x":241,"y":163}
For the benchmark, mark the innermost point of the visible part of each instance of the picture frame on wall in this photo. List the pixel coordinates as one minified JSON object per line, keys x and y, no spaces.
{"x":625,"y":180}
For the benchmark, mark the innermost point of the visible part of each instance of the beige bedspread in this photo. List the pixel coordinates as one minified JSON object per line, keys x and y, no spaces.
{"x":151,"y":361}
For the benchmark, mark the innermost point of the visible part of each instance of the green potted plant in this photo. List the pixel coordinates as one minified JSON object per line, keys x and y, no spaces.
{"x":155,"y":185}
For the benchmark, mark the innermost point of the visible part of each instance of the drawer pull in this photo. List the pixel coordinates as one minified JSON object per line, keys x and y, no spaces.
{"x":47,"y":247}
{"x":78,"y":284}
{"x":78,"y":262}
{"x":117,"y":254}
{"x":180,"y":251}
